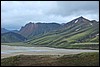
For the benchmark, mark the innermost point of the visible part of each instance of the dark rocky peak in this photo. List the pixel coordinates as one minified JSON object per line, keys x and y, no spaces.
{"x":30,"y":23}
{"x":79,"y":20}
{"x":82,"y":19}
{"x":93,"y":20}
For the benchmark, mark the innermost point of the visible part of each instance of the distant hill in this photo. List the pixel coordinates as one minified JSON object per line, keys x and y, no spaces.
{"x":15,"y":31}
{"x":79,"y":30}
{"x":34,"y":29}
{"x":3,"y":30}
{"x":11,"y":37}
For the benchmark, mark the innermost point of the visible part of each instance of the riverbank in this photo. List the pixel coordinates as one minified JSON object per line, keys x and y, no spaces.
{"x":81,"y":59}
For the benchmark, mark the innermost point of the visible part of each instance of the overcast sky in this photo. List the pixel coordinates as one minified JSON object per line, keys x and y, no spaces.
{"x":15,"y":14}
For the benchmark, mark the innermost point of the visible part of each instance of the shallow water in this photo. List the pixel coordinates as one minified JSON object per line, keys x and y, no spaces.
{"x":15,"y":49}
{"x":6,"y":49}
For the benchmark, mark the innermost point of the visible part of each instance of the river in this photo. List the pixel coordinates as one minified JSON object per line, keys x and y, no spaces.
{"x":7,"y":51}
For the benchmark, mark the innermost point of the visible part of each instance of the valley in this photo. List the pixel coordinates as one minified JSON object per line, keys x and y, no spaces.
{"x":50,"y":33}
{"x":7,"y":51}
{"x":77,"y":38}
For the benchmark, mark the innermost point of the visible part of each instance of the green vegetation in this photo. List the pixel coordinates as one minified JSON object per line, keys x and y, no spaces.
{"x":87,"y":45}
{"x":95,"y":39}
{"x":69,"y":35}
{"x":82,"y":59}
{"x":64,"y":38}
{"x":80,"y":35}
{"x":84,"y":45}
{"x":14,"y":44}
{"x":17,"y":44}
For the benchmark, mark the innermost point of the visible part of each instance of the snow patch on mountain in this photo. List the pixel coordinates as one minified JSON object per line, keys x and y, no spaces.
{"x":76,"y":21}
{"x":97,"y":34}
{"x":90,"y":23}
{"x":76,"y":29}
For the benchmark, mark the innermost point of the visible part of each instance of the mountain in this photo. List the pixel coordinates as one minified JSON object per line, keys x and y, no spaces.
{"x":3,"y":30}
{"x":79,"y":31}
{"x":15,"y":31}
{"x":11,"y":37}
{"x":35,"y":29}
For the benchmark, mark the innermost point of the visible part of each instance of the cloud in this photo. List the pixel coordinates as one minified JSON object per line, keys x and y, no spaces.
{"x":15,"y":14}
{"x":66,"y":8}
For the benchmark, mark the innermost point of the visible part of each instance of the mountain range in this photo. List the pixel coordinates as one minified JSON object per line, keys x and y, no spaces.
{"x":75,"y":33}
{"x":79,"y":30}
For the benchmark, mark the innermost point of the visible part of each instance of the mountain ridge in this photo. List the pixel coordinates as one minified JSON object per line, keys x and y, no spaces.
{"x":82,"y":31}
{"x":33,"y":29}
{"x":75,"y":33}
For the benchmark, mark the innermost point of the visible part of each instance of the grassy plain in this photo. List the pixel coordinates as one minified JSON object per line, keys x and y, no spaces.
{"x":82,"y":59}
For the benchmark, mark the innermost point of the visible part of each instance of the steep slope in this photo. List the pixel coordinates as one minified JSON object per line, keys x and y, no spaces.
{"x":34,"y":29}
{"x":11,"y":37}
{"x":79,"y":30}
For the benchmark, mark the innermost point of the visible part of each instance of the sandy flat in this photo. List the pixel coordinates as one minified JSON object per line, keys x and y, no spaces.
{"x":7,"y":51}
